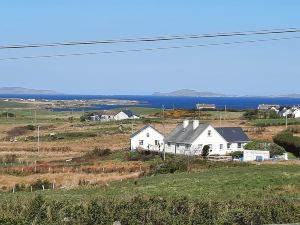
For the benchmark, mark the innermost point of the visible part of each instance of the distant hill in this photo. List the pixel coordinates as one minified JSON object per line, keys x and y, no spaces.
{"x":190,"y":93}
{"x":20,"y":90}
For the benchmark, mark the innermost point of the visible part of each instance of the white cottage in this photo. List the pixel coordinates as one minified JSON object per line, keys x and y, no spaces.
{"x":148,"y":138}
{"x":125,"y":115}
{"x":190,"y":138}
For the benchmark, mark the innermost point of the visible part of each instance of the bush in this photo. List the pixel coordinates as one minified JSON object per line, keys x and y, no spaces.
{"x":7,"y":114}
{"x":205,"y":151}
{"x":38,"y":185}
{"x":289,"y":142}
{"x":236,"y":154}
{"x":141,"y":155}
{"x":172,"y":165}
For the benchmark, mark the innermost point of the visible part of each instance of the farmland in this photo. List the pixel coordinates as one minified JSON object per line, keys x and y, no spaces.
{"x":78,"y":164}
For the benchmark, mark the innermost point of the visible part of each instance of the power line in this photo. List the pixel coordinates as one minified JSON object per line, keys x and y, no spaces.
{"x":155,"y":39}
{"x":151,"y":49}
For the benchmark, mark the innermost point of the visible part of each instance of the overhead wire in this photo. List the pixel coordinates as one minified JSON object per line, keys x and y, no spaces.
{"x":152,"y":39}
{"x":151,"y":49}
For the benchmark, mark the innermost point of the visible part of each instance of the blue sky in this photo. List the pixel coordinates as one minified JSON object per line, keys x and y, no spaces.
{"x":250,"y":69}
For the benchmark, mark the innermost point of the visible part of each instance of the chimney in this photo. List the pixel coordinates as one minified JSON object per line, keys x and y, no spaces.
{"x":195,"y":124}
{"x":185,"y":123}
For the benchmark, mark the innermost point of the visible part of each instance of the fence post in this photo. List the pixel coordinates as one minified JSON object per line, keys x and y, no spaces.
{"x":13,"y":190}
{"x":43,"y":187}
{"x":30,"y":188}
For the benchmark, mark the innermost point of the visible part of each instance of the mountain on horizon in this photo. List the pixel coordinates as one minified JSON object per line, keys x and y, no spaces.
{"x":190,"y":93}
{"x":21,"y":90}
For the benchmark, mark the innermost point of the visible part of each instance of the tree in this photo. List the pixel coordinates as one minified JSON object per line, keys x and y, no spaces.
{"x":205,"y":151}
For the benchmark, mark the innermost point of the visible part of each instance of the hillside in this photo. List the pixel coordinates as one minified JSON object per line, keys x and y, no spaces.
{"x":21,"y":90}
{"x":190,"y":93}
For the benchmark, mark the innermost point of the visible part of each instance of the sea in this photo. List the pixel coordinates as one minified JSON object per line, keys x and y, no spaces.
{"x":167,"y":102}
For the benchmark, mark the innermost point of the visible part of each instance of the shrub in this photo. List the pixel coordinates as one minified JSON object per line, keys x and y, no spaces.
{"x":289,"y":142}
{"x":140,"y":155}
{"x":236,"y":154}
{"x":205,"y":151}
{"x":38,"y":185}
{"x":7,"y":114}
{"x":172,"y":165}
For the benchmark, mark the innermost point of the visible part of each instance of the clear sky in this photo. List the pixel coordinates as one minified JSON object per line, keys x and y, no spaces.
{"x":260,"y":68}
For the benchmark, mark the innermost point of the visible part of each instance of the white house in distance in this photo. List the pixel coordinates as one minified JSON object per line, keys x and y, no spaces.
{"x":125,"y":115}
{"x":190,"y":138}
{"x":147,"y":138}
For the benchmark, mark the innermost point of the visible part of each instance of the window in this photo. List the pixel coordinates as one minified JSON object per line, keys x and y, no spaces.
{"x":221,"y":146}
{"x":169,"y":144}
{"x":148,"y":135}
{"x":228,"y":145}
{"x":209,"y":133}
{"x":177,"y":145}
{"x":156,"y":142}
{"x":187,"y":146}
{"x":239,"y":145}
{"x":141,"y":142}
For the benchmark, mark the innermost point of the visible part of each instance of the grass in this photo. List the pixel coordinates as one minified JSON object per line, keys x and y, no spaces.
{"x":291,"y":156}
{"x":275,"y":122}
{"x":233,"y":183}
{"x":9,"y":105}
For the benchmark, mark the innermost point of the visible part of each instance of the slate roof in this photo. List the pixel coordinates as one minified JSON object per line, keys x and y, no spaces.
{"x":129,"y":113}
{"x":144,"y":128}
{"x":186,"y":135}
{"x":233,"y":134}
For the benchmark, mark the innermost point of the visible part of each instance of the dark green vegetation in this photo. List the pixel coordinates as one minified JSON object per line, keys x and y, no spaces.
{"x":9,"y":104}
{"x":275,"y":150}
{"x":153,"y":210}
{"x":275,"y":122}
{"x":288,"y":141}
{"x":218,"y":193}
{"x":258,"y":114}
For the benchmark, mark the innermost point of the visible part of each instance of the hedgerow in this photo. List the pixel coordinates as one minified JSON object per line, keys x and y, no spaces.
{"x":155,"y":210}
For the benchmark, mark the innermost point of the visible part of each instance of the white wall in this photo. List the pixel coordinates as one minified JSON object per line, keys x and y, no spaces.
{"x":251,"y":155}
{"x":148,"y":142}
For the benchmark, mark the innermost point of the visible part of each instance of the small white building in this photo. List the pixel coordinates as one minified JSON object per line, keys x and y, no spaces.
{"x":255,"y":155}
{"x":285,"y":112}
{"x":125,"y":115}
{"x":296,"y":113}
{"x":148,"y":138}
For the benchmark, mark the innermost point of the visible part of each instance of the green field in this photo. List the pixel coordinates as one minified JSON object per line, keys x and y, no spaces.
{"x":255,"y":182}
{"x":275,"y":122}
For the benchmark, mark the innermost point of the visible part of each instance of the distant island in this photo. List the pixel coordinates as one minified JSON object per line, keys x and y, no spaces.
{"x":28,"y":91}
{"x":190,"y":93}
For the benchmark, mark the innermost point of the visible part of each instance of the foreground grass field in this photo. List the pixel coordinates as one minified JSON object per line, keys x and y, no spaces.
{"x":255,"y":182}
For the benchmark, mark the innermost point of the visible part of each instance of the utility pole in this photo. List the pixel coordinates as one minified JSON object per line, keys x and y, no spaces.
{"x":38,"y":134}
{"x":163,"y":111}
{"x":225,"y":112}
{"x":286,"y":121}
{"x":220,"y":118}
{"x":35,"y":117}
